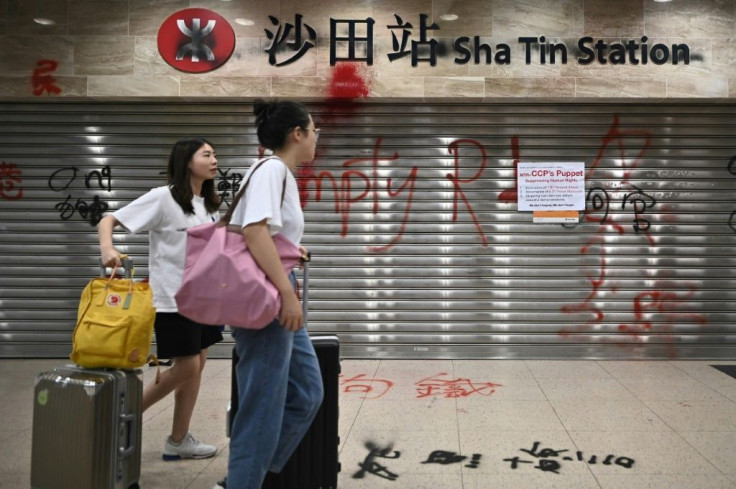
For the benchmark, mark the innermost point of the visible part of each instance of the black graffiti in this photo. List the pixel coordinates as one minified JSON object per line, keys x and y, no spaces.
{"x":93,"y":212}
{"x":59,"y":181}
{"x":228,"y":185}
{"x":370,"y":466}
{"x":599,"y":200}
{"x":546,"y":463}
{"x":640,"y":201}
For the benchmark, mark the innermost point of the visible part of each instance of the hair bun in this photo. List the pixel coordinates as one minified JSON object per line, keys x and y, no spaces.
{"x":263,"y":110}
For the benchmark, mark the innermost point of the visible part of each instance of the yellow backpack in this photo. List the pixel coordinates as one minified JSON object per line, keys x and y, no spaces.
{"x":114,"y":323}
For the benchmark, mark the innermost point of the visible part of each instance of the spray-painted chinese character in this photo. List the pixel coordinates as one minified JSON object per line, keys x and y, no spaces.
{"x":371,"y":388}
{"x":42,"y":80}
{"x":9,"y":178}
{"x":228,"y":185}
{"x":417,"y":47}
{"x":370,"y":466}
{"x":352,"y":39}
{"x":432,"y":386}
{"x":298,"y":45}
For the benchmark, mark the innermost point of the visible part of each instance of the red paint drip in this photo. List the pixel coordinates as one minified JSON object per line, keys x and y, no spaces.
{"x":347,"y":82}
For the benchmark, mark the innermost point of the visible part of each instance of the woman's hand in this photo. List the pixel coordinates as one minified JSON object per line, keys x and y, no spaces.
{"x":305,"y":256}
{"x":290,"y":316}
{"x":111,"y":257}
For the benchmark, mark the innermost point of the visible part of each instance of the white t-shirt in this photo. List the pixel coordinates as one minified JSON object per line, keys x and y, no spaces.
{"x":262,"y":200}
{"x":158,"y":213}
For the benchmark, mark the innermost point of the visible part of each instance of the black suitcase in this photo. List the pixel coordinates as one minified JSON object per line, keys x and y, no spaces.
{"x":86,"y":429}
{"x":314,"y":464}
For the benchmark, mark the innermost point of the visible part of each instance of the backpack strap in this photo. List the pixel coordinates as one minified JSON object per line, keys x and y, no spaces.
{"x":229,"y":214}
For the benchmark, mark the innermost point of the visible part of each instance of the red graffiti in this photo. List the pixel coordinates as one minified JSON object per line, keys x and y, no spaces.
{"x":356,"y":184}
{"x":511,"y":194}
{"x":658,"y":300}
{"x":361,"y":384}
{"x":452,"y":388}
{"x":454,"y":150}
{"x":10,"y":177}
{"x":42,"y":80}
{"x":347,"y":82}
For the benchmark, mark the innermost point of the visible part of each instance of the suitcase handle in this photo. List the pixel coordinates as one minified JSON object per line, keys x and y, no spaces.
{"x":127,"y":267}
{"x":129,"y":421}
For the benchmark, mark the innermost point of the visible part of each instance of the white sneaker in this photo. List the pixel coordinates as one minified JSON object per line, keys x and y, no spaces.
{"x":189,"y":447}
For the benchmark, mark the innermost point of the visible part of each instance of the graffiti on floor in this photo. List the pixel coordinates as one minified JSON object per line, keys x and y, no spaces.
{"x":550,"y":460}
{"x":377,"y":462}
{"x":369,"y":466}
{"x":438,"y":385}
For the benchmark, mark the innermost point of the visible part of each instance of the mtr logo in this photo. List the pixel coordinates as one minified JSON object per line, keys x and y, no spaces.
{"x":196,"y":40}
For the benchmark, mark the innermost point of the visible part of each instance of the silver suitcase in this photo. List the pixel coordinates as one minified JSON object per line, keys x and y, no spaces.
{"x":86,"y":429}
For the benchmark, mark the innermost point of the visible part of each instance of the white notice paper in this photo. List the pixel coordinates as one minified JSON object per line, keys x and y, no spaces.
{"x":551,"y":186}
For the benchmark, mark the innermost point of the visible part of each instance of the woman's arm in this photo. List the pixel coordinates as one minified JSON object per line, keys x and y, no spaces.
{"x":261,"y":246}
{"x":110,"y":256}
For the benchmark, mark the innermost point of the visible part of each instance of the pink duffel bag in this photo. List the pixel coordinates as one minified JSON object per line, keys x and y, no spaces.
{"x":223,"y":284}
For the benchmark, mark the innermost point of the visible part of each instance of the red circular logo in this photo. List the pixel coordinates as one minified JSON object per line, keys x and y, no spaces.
{"x":196,"y":40}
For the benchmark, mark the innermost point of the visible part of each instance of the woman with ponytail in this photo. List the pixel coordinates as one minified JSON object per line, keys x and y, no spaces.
{"x":279,"y":381}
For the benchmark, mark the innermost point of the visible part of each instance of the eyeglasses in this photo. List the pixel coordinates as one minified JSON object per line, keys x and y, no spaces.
{"x":316,"y":132}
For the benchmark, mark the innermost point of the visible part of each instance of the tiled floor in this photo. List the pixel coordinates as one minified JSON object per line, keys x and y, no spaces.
{"x":465,"y":424}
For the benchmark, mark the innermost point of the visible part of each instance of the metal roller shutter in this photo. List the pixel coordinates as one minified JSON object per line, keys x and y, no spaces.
{"x":419,"y":249}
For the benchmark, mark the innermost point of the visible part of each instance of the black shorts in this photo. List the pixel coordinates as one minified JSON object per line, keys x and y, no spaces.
{"x":177,"y":336}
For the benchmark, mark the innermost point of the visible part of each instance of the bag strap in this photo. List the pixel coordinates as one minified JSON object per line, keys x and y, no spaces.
{"x":229,"y":214}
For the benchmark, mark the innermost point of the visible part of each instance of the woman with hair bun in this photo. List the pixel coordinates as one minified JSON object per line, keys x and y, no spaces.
{"x":279,"y":381}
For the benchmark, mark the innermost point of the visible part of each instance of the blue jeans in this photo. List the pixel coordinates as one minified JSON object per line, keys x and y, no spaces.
{"x":280,"y":391}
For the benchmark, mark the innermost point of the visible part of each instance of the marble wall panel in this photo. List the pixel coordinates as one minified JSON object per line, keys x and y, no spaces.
{"x":148,"y":61}
{"x":294,"y":86}
{"x":98,"y":17}
{"x":318,"y":14}
{"x":724,"y":57}
{"x":133,"y":86}
{"x":530,"y":87}
{"x":696,"y":86}
{"x":408,"y":10}
{"x":388,"y":87}
{"x":475,"y":17}
{"x":561,"y":18}
{"x":732,"y":87}
{"x":621,"y":87}
{"x":624,"y":18}
{"x":20,"y":15}
{"x":21,"y":86}
{"x":219,"y":86}
{"x":104,"y":55}
{"x":251,"y":59}
{"x":449,"y":87}
{"x":705,"y":19}
{"x":20,"y":54}
{"x":658,"y":19}
{"x":256,"y":11}
{"x":146,"y":16}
